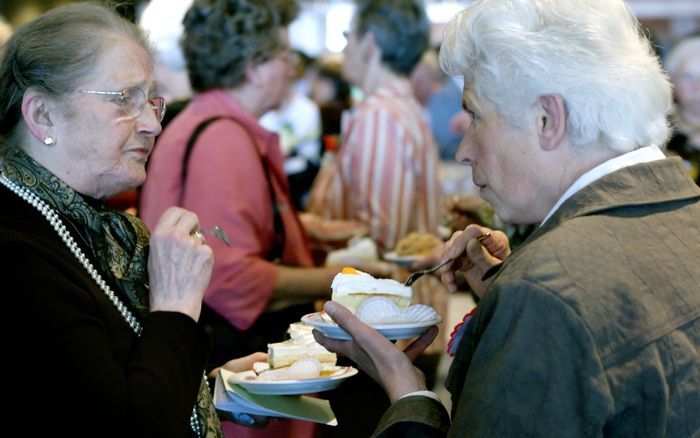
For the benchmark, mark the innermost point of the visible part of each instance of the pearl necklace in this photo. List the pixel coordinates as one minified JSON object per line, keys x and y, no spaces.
{"x":53,"y":218}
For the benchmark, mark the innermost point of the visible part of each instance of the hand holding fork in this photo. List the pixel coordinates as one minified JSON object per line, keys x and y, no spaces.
{"x":216,"y":231}
{"x":418,"y":274}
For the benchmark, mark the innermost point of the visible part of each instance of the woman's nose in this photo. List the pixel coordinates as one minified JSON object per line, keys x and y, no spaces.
{"x":149,"y":121}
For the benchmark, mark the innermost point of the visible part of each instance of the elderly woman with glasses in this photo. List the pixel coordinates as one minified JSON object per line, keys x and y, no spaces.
{"x":106,"y":340}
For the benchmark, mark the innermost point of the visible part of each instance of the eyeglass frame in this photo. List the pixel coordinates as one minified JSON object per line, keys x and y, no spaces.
{"x":122,"y":96}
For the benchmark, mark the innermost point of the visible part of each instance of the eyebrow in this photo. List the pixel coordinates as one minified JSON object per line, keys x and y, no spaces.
{"x":151,"y":86}
{"x":143,"y":85}
{"x":467,"y":101}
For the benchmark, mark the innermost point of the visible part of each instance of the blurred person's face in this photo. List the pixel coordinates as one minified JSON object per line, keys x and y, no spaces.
{"x":277,"y":74}
{"x":687,"y":83}
{"x":502,"y":158}
{"x":101,"y":150}
{"x":354,"y":62}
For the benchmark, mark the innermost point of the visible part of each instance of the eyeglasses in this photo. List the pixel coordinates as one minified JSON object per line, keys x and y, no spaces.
{"x":133,"y":101}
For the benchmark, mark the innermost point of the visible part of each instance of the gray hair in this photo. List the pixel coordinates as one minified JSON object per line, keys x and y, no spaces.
{"x":247,"y":29}
{"x":400,"y":28}
{"x":590,"y":52}
{"x":53,"y":53}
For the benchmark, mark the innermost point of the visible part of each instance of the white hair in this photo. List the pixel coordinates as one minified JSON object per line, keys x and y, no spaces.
{"x":590,"y":52}
{"x":680,"y":53}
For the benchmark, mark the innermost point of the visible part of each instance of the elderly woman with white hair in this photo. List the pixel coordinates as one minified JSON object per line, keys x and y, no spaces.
{"x":592,"y":326}
{"x":683,"y":66}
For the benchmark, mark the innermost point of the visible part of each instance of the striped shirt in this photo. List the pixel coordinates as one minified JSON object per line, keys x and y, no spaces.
{"x":386,"y":172}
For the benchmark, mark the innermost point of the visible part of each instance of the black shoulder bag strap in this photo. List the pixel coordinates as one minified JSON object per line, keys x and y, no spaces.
{"x":278,"y":244}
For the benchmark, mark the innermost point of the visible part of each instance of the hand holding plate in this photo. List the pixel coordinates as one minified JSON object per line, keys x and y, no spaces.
{"x":376,"y":355}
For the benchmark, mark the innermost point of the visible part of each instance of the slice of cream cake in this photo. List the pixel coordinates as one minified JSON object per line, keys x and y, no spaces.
{"x":301,"y":345}
{"x":351,"y":287}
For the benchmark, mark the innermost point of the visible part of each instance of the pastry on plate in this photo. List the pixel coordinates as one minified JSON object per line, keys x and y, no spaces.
{"x":351,"y":287}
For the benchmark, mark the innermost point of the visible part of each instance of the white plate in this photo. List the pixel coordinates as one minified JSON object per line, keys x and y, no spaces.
{"x":390,"y":331}
{"x":287,"y":387}
{"x":406,"y":261}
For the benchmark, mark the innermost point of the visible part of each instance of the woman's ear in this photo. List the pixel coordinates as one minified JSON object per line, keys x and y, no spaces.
{"x":36,"y":111}
{"x":551,"y":122}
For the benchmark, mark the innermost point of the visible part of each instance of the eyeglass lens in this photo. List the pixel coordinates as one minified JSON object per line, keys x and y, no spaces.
{"x":134,"y":102}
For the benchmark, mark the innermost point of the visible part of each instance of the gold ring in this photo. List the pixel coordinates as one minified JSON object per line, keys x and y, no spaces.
{"x":483,"y":237}
{"x":199,"y":234}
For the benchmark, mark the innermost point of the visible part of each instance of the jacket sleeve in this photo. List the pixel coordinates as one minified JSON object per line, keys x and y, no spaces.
{"x":414,"y":417}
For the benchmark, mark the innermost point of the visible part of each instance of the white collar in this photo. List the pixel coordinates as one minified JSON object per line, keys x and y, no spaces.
{"x":637,"y":156}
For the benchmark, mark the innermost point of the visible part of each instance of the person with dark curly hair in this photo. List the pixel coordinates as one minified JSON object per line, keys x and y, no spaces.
{"x":215,"y":159}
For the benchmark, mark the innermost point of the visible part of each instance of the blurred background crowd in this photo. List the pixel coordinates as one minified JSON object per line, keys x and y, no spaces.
{"x":309,"y":104}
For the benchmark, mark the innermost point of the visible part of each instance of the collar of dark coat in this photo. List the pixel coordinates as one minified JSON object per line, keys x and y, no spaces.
{"x":642,"y":184}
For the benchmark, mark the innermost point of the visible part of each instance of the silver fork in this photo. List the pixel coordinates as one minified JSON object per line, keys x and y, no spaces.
{"x":418,"y":274}
{"x":216,"y":231}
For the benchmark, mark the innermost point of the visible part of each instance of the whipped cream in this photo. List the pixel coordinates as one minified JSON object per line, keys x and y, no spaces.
{"x":363,"y":283}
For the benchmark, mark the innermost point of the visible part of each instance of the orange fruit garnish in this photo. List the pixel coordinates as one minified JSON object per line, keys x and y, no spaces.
{"x":349,"y":270}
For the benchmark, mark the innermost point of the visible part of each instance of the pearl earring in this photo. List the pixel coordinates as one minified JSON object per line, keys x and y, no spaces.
{"x":48,"y":141}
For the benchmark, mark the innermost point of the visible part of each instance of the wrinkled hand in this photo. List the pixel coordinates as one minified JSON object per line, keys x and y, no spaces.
{"x":376,"y":355}
{"x":179,"y":264}
{"x":473,"y":258}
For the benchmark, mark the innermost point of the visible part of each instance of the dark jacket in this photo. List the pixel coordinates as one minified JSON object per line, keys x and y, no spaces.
{"x":73,"y":365}
{"x":590,"y":328}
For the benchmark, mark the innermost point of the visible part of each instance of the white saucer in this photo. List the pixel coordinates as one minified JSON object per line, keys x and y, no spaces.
{"x":390,"y":331}
{"x":287,"y":387}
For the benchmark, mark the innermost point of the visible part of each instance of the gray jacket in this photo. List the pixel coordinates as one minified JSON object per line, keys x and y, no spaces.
{"x":591,"y":328}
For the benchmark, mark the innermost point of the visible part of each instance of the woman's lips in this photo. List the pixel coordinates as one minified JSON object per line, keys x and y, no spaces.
{"x":143,"y":152}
